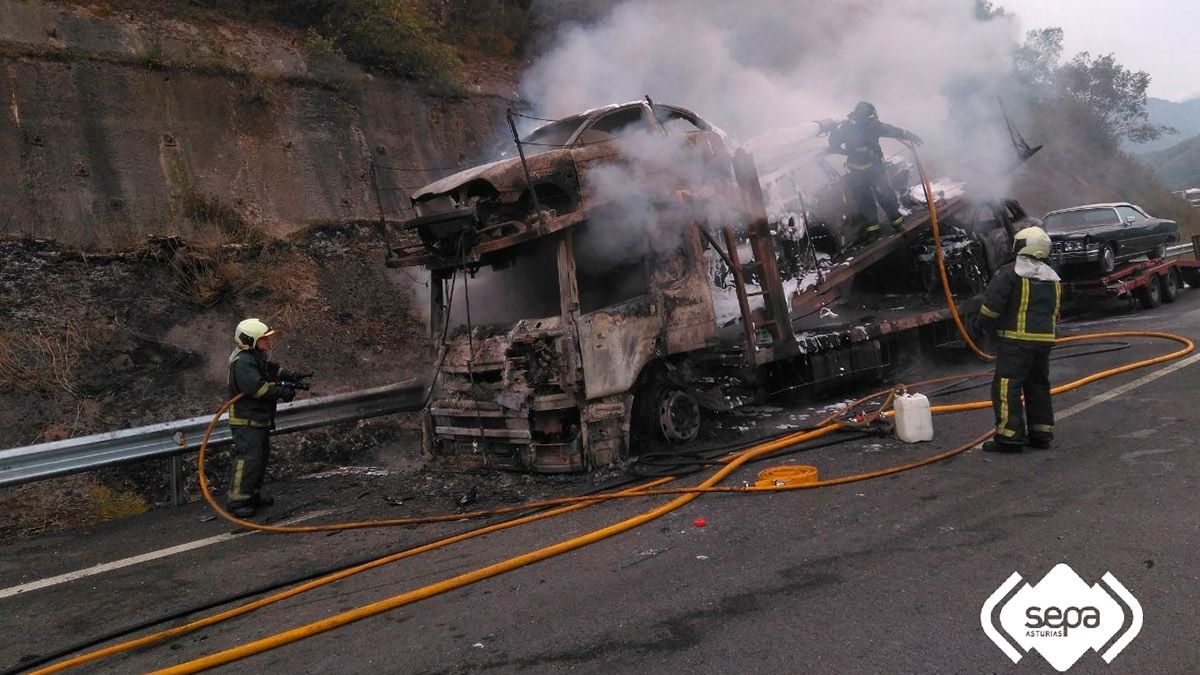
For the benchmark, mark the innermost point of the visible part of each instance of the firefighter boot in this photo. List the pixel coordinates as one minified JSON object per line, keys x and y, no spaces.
{"x":997,"y":446}
{"x":243,"y":509}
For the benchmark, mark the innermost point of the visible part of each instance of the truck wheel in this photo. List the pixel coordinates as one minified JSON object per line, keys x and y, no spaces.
{"x":1170,"y":285}
{"x":1150,"y":295}
{"x":1108,"y":259}
{"x":667,"y":413}
{"x":1190,"y":276}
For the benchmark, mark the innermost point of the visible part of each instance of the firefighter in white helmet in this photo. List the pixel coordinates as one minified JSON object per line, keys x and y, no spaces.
{"x":1021,"y":305}
{"x":262,"y":385}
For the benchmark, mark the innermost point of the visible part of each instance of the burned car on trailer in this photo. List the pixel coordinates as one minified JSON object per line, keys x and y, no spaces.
{"x":1096,"y":237}
{"x":551,"y":318}
{"x":491,"y":201}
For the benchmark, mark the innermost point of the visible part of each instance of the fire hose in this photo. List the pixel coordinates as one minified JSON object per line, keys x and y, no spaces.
{"x":682,"y":497}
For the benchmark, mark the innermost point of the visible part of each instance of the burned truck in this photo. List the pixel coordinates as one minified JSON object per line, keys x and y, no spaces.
{"x":604,"y":290}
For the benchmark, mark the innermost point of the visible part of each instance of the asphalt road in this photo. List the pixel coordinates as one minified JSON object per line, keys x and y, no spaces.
{"x":883,"y":576}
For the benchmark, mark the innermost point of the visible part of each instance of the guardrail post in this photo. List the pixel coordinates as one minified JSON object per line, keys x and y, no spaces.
{"x":176,"y":481}
{"x":1196,"y":246}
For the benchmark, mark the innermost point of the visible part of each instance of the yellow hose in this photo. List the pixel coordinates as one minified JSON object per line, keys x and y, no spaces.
{"x":573,"y":503}
{"x":205,"y":622}
{"x":686,"y":496}
{"x":480,"y":574}
{"x":941,"y":259}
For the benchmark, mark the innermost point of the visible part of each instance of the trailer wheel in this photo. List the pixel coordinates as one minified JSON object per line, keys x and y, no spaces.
{"x":1108,"y":259}
{"x":1170,"y":285}
{"x":1190,"y":276}
{"x":1150,"y":295}
{"x":667,"y":413}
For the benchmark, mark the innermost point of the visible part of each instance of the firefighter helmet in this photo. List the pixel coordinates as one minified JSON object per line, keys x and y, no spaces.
{"x":863,"y":111}
{"x":249,"y":332}
{"x":1033,"y":242}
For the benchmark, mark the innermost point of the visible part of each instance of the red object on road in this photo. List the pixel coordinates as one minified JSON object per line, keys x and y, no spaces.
{"x":700,"y":522}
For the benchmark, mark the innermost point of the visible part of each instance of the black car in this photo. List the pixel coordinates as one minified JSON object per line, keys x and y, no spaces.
{"x":1095,"y":237}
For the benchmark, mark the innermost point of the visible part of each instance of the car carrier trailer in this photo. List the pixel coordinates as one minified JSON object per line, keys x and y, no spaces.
{"x":1151,"y":282}
{"x":555,"y":359}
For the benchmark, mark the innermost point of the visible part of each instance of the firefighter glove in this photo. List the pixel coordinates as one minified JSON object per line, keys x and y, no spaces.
{"x":287,"y":394}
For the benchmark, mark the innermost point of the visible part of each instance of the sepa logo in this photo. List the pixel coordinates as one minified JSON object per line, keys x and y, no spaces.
{"x":1061,"y":617}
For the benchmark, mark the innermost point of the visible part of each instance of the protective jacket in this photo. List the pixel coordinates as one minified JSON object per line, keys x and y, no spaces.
{"x":859,"y":141}
{"x":1023,"y":298}
{"x":251,"y":374}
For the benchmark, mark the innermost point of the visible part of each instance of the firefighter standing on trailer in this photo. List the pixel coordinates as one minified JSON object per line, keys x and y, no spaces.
{"x":1021,"y":305}
{"x":262,"y":385}
{"x":866,"y":173}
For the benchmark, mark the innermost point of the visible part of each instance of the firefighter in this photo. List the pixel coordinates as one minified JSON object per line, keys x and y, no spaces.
{"x":1021,"y":306}
{"x":262,"y":385}
{"x":866,"y":173}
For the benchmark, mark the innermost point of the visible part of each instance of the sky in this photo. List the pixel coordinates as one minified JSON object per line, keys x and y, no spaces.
{"x":1157,"y":36}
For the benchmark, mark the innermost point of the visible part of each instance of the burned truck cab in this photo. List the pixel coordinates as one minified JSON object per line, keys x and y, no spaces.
{"x":543,"y":344}
{"x":550,"y":319}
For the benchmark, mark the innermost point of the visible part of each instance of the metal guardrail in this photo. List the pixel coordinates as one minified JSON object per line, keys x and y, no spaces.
{"x":170,"y":439}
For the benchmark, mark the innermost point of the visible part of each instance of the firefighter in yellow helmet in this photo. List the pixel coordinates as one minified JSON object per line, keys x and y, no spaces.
{"x":262,"y":385}
{"x":1021,"y":305}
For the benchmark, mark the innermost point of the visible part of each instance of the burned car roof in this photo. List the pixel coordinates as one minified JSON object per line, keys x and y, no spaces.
{"x":577,"y":124}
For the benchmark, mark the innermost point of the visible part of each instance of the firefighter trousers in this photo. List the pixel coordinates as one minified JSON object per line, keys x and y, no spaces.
{"x":251,"y":449}
{"x":1021,"y":392}
{"x":868,"y":186}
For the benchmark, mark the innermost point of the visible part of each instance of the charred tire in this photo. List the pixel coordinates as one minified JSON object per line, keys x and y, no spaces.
{"x":1108,"y":259}
{"x":666,"y":413}
{"x":1159,"y":252}
{"x":1150,"y":295}
{"x":1170,"y":285}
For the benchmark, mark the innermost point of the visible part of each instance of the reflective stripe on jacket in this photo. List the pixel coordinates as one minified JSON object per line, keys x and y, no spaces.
{"x":1025,"y":308}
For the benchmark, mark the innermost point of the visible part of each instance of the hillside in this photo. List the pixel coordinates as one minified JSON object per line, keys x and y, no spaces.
{"x":1080,"y":164}
{"x":122,"y":124}
{"x":1183,"y":116}
{"x":1179,"y":165}
{"x":163,"y":175}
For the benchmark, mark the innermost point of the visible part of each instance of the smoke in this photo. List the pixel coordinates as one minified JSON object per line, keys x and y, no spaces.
{"x":765,"y":70}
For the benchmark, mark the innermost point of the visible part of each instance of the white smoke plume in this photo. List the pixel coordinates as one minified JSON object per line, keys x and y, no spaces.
{"x":768,"y":68}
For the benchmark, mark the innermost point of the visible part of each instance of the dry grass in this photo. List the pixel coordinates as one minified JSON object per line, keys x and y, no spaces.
{"x":286,"y":282}
{"x":43,"y":361}
{"x":202,"y":278}
{"x":34,"y":509}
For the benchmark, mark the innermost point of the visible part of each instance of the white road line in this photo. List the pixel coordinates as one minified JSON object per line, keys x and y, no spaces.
{"x":1127,"y":387}
{"x":145,"y":557}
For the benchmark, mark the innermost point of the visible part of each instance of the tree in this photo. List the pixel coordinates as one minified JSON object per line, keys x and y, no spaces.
{"x":1113,"y":93}
{"x":1035,"y":62}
